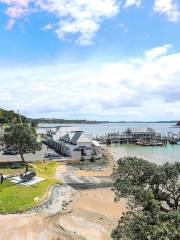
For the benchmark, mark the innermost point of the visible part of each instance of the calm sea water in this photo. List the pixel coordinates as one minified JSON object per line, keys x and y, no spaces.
{"x":169,"y":153}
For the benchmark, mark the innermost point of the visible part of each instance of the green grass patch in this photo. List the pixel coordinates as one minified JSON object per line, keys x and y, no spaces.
{"x":18,"y":198}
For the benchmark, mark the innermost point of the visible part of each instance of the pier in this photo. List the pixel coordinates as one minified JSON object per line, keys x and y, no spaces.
{"x":133,"y":136}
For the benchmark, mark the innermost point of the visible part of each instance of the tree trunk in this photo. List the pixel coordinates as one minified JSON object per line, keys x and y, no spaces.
{"x":23,"y":160}
{"x":22,"y":157}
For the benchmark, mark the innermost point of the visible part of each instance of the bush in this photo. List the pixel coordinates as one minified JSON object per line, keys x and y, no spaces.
{"x":93,"y":159}
{"x":82,"y":159}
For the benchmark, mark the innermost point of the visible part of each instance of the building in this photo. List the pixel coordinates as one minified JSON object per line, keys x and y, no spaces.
{"x":140,"y":133}
{"x":74,"y":143}
{"x":42,"y":132}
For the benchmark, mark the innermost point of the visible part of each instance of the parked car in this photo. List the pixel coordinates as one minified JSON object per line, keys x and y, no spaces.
{"x":52,"y":155}
{"x":27,"y":176}
{"x":10,"y":151}
{"x":15,"y":165}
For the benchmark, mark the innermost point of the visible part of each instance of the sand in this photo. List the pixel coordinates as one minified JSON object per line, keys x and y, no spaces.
{"x":93,"y":214}
{"x":90,"y":215}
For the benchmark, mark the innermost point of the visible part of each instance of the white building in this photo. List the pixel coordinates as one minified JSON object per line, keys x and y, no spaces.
{"x":72,"y":142}
{"x":139,"y":133}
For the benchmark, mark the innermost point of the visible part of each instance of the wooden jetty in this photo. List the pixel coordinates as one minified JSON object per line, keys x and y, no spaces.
{"x":151,"y":137}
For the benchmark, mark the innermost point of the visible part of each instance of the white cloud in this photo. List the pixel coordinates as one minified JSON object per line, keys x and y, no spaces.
{"x":168,"y":8}
{"x":132,"y":90}
{"x":10,"y":24}
{"x":82,"y":17}
{"x":157,"y":52}
{"x":130,"y":3}
{"x":49,"y":26}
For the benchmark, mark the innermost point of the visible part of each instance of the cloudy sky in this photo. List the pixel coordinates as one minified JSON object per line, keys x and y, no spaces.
{"x":91,"y":59}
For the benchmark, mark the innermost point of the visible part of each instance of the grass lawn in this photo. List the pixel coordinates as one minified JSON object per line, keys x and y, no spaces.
{"x":17,"y":198}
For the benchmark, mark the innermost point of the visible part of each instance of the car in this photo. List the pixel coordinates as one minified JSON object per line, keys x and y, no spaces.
{"x":15,"y":165}
{"x":27,"y":176}
{"x":52,"y":155}
{"x":10,"y":151}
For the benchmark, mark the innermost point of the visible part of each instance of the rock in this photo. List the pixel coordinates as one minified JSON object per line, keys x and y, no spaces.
{"x":55,"y":202}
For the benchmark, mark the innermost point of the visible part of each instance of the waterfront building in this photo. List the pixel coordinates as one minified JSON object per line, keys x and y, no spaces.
{"x":74,"y":143}
{"x":140,"y":133}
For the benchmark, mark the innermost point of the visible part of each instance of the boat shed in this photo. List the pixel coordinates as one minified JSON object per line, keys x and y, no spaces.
{"x":139,"y":133}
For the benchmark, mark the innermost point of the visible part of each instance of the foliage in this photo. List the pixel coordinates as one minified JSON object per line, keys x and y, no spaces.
{"x":82,"y":159}
{"x":154,"y":199}
{"x":10,"y":117}
{"x":22,"y":137}
{"x":17,"y":198}
{"x":142,"y":225}
{"x":93,"y":159}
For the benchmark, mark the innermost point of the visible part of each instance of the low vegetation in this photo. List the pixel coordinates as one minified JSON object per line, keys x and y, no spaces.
{"x":18,"y":198}
{"x":154,"y":198}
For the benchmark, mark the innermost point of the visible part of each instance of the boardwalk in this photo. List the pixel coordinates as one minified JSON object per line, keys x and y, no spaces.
{"x":121,"y":138}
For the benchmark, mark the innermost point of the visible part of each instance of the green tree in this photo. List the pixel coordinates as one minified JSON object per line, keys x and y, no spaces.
{"x":22,"y":137}
{"x":10,"y":117}
{"x":154,"y":199}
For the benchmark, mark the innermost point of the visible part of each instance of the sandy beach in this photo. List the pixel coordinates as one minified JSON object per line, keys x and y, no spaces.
{"x":85,"y":213}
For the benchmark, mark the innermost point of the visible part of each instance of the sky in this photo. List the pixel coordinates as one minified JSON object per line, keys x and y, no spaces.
{"x":91,"y":59}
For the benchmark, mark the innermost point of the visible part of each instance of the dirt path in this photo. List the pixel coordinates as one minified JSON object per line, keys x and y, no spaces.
{"x":90,"y":215}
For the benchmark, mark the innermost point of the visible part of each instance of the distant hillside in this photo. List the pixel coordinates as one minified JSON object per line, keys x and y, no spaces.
{"x":63,"y":121}
{"x":8,"y":117}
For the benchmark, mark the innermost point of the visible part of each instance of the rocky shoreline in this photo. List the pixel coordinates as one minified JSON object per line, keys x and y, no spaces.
{"x":58,"y":198}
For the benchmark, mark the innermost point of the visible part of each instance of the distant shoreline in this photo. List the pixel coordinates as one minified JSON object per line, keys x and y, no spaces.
{"x":105,"y":122}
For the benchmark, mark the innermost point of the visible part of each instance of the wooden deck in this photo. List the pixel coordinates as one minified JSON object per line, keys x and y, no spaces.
{"x":118,"y":138}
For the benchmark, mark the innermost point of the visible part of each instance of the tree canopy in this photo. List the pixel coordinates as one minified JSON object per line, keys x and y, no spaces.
{"x":22,"y":137}
{"x":154,"y":200}
{"x":10,"y":117}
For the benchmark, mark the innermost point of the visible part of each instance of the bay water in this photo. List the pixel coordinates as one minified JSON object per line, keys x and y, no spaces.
{"x":159,"y":155}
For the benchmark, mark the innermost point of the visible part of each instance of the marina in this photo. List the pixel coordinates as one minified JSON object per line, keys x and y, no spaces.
{"x":140,"y":136}
{"x":158,"y":154}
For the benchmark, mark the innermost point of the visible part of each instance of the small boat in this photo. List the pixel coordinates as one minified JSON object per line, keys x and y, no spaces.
{"x":143,"y":143}
{"x":160,"y":144}
{"x":148,"y":144}
{"x":175,"y":142}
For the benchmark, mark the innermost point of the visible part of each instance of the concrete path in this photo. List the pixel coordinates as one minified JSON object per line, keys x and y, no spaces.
{"x":83,"y":183}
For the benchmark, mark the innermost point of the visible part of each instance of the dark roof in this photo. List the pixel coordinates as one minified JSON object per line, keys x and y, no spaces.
{"x":76,"y":137}
{"x":66,"y":138}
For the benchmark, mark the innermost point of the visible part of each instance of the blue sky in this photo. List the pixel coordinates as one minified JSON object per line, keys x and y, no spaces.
{"x":103,"y":59}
